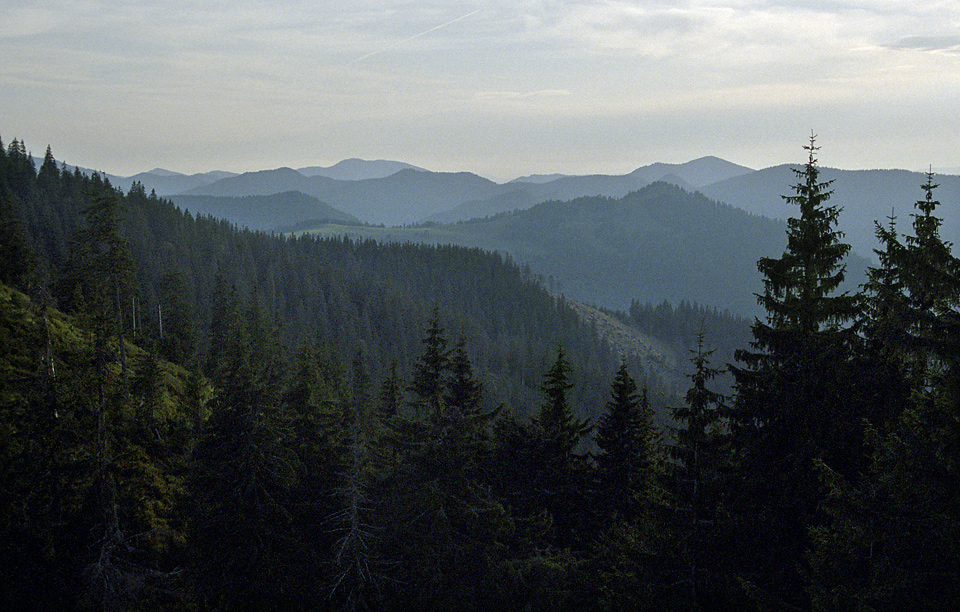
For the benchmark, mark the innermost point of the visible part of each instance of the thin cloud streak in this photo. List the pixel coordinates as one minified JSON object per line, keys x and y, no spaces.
{"x":414,"y":37}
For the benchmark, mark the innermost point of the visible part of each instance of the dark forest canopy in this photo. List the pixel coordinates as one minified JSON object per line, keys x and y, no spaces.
{"x":194,"y":416}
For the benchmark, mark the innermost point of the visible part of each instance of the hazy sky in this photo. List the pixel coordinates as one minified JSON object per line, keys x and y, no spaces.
{"x":498,"y":87}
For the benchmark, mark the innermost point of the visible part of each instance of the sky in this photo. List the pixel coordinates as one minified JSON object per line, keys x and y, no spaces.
{"x":502,"y":88}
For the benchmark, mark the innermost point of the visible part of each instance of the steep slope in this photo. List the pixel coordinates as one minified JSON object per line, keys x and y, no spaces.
{"x":656,"y":356}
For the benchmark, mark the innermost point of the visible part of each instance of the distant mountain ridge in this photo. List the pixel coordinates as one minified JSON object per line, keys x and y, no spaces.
{"x":865,"y":196}
{"x":413,"y":195}
{"x":280,"y":212}
{"x":167,"y":182}
{"x":654,"y":244}
{"x":397,"y":193}
{"x":524,"y":194}
{"x":404,"y":197}
{"x":354,"y":169}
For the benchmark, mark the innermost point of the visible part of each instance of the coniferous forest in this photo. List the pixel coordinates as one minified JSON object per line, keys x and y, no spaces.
{"x":199,"y":417}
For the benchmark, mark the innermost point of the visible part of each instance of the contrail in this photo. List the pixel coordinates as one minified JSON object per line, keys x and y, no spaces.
{"x":406,"y":40}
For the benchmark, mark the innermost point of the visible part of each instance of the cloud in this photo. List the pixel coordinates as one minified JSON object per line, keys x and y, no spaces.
{"x":192,"y":67}
{"x":929,"y":43}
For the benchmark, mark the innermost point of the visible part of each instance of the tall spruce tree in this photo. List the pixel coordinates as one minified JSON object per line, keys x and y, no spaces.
{"x":792,"y":406}
{"x":559,"y":471}
{"x":883,"y":327}
{"x":441,"y":525}
{"x":626,"y":564}
{"x":931,"y":280}
{"x":698,"y":452}
{"x":627,"y":443}
{"x":890,"y":541}
{"x":560,"y":429}
{"x":431,"y":371}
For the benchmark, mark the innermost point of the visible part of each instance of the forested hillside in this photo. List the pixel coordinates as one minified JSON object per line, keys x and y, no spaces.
{"x":353,"y":294}
{"x":659,"y":243}
{"x":195,"y":417}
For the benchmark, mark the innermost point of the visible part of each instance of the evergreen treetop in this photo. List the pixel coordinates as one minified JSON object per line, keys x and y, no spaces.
{"x":627,"y":442}
{"x":560,"y":428}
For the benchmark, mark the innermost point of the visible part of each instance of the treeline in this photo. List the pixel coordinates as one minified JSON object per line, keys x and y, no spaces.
{"x":681,"y":324}
{"x":368,"y":478}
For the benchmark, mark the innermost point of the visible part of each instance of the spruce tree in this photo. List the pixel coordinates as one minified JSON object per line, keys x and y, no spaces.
{"x":102,"y":268}
{"x":242,"y":476}
{"x":792,"y":406}
{"x":890,"y":541}
{"x":352,"y":584}
{"x":561,"y":431}
{"x":627,"y":441}
{"x":48,"y":177}
{"x":391,"y":394}
{"x":464,"y":392}
{"x":698,"y":450}
{"x":931,"y":281}
{"x":441,"y":525}
{"x":883,"y":328}
{"x":431,"y":371}
{"x":558,"y":470}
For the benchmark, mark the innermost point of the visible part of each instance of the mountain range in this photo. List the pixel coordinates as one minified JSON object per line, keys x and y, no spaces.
{"x":658,"y":243}
{"x":395,"y":193}
{"x":414,"y":196}
{"x":282,"y":212}
{"x":602,"y":250}
{"x":864,"y":196}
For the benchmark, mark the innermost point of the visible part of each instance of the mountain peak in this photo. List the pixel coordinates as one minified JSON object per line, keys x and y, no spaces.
{"x":163,"y":172}
{"x":355,"y":169}
{"x":696,"y":173}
